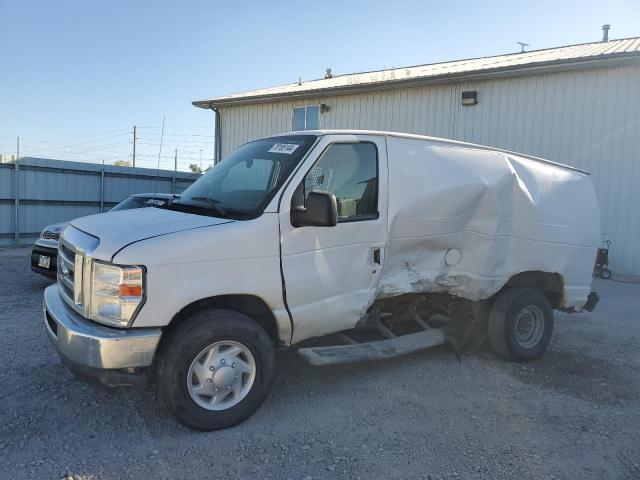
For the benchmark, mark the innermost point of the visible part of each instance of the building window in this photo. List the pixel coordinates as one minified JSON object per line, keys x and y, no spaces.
{"x":306,"y":118}
{"x":350,"y":172}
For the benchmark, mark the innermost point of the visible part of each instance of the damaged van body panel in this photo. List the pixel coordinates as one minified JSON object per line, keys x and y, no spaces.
{"x":465,"y":220}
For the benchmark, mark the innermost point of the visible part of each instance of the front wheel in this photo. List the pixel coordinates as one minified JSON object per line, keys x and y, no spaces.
{"x":215,"y":369}
{"x":520,"y":324}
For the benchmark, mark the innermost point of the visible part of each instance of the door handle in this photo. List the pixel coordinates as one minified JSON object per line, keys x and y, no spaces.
{"x":376,"y":256}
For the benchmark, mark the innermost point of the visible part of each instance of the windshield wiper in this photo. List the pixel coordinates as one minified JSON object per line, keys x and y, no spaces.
{"x":211,"y":201}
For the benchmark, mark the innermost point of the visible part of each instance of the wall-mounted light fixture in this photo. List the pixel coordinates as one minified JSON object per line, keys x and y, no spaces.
{"x":469,"y":98}
{"x":324,"y":108}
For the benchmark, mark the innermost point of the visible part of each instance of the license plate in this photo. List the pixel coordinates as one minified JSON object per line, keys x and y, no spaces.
{"x":44,"y":261}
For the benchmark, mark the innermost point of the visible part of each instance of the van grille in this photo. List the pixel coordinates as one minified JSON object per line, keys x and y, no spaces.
{"x":74,"y":267}
{"x":66,"y":272}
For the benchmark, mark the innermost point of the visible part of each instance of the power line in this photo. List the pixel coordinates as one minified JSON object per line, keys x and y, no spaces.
{"x":135,"y":139}
{"x":85,"y":150}
{"x":182,"y":141}
{"x":67,"y":145}
{"x":85,"y":157}
{"x":95,"y":148}
{"x":161,"y":138}
{"x":57,"y":146}
{"x":177,"y":126}
{"x":173,"y":145}
{"x":72,"y":137}
{"x":91,"y":134}
{"x":179,"y":134}
{"x":168,"y":156}
{"x":111,"y":145}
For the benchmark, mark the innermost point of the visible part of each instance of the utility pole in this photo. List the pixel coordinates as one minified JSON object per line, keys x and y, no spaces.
{"x":175,"y":161}
{"x":200,"y":160}
{"x":134,"y":145}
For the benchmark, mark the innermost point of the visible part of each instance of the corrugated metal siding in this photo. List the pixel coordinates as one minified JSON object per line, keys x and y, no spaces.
{"x":589,"y":119}
{"x":52,"y":191}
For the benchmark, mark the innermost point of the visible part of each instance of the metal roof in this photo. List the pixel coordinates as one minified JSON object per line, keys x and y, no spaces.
{"x":536,"y":61}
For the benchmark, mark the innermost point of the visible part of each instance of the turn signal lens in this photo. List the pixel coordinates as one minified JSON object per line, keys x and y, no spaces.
{"x":130,"y":290}
{"x":116,"y":293}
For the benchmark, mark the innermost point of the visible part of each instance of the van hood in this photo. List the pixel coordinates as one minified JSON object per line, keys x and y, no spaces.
{"x":116,"y":230}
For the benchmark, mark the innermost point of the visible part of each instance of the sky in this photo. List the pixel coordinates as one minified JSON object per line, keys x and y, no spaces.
{"x":77,"y":74}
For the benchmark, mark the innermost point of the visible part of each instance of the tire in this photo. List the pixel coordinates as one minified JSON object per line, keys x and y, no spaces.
{"x":512,"y":312}
{"x":179,"y":369}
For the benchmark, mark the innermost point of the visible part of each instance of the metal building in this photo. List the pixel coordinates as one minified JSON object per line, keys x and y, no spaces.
{"x":35,"y":192}
{"x":577,"y":104}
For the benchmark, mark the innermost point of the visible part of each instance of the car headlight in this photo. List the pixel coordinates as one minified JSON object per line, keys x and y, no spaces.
{"x":116,"y":293}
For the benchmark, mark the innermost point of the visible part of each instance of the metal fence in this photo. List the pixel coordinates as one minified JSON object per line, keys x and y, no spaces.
{"x":36,"y":192}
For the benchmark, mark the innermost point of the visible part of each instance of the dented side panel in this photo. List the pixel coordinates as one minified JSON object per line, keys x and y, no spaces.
{"x":463,"y":221}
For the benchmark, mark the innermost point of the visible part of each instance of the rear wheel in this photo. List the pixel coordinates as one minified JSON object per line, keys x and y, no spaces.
{"x":521,"y":324}
{"x":215,"y":369}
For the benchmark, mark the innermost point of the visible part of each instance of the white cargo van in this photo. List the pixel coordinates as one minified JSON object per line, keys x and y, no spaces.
{"x":305,"y":234}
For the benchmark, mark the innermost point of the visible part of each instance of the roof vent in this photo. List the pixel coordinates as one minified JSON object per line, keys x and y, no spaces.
{"x":605,"y":32}
{"x":328,"y":74}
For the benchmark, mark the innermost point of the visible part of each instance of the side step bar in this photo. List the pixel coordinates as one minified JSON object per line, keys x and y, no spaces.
{"x":360,"y":352}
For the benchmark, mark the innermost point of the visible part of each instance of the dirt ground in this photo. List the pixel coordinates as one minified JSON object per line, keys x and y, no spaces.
{"x":574,"y":414}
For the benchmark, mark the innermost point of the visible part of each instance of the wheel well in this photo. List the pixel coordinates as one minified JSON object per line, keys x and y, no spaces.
{"x":250,"y":305}
{"x":551,"y":284}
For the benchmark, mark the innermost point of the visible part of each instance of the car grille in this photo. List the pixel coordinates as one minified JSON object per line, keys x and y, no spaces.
{"x":74,"y":268}
{"x":50,"y":235}
{"x":66,"y":270}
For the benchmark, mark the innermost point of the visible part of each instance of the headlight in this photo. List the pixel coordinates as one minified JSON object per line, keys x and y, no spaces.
{"x":116,"y":293}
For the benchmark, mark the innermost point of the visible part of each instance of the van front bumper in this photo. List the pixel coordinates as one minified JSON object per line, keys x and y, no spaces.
{"x":94,"y":351}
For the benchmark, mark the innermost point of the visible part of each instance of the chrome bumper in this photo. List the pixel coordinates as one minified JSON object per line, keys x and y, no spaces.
{"x":88,"y":345}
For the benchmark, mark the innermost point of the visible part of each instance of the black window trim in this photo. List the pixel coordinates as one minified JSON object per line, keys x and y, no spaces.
{"x":361,"y":218}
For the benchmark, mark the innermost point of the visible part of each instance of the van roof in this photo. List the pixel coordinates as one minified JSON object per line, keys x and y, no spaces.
{"x":433,"y":139}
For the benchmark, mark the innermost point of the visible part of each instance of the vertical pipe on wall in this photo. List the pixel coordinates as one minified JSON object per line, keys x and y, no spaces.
{"x":16,"y":184}
{"x":217,"y":152}
{"x":16,"y":204}
{"x":102,"y":190}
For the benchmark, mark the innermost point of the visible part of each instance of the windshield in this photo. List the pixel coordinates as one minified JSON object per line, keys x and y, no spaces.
{"x":139,"y":202}
{"x":242,"y":184}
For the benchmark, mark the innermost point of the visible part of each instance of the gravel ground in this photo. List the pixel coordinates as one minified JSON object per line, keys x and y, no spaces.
{"x":573,"y":414}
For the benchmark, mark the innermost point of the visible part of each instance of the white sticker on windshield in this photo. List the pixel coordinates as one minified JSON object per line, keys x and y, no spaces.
{"x":287,"y":148}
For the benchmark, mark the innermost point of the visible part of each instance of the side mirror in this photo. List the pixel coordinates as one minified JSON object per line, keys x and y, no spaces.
{"x":321,"y":211}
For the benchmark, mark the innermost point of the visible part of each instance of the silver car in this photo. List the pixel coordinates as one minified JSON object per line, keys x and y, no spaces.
{"x":45,"y":249}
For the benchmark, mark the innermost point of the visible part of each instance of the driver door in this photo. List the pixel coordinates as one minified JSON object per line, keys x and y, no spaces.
{"x":331,"y":273}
